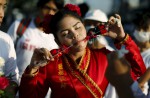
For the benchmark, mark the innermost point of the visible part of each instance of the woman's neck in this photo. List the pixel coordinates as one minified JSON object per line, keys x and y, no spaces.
{"x":77,"y":55}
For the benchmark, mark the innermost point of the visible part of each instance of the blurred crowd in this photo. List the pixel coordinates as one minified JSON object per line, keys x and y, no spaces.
{"x":126,"y":8}
{"x":24,"y":23}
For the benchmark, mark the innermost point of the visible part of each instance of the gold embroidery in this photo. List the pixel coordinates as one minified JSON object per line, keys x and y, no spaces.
{"x":86,"y":76}
{"x":60,"y":66}
{"x":81,"y":60}
{"x":97,"y":87}
{"x":87,"y":63}
{"x":61,"y":75}
{"x":124,"y":40}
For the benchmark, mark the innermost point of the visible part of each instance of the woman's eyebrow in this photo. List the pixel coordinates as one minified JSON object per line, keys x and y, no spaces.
{"x":73,"y":26}
{"x":76,"y":24}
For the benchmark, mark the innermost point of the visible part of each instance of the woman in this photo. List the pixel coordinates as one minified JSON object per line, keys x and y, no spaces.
{"x":79,"y":71}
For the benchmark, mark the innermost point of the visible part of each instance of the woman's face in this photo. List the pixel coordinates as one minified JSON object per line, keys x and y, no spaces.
{"x":72,"y":31}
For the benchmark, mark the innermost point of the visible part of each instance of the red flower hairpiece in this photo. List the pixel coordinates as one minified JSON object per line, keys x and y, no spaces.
{"x":73,"y":8}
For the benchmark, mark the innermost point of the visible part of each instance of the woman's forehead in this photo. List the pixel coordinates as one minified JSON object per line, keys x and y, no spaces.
{"x":68,"y":21}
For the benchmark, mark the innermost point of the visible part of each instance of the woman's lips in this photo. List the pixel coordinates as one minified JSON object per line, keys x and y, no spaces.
{"x":78,"y":41}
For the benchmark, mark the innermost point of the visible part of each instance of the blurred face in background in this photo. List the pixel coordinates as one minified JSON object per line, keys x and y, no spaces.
{"x":91,"y":23}
{"x":142,"y":32}
{"x":142,"y":36}
{"x":3,"y":5}
{"x":49,"y":8}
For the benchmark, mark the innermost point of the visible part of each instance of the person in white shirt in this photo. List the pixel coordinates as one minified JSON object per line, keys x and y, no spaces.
{"x":34,"y":36}
{"x":8,"y":55}
{"x":142,"y":37}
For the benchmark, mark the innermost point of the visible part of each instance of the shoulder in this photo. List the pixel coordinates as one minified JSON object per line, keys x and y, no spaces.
{"x":6,"y":42}
{"x":14,"y":26}
{"x":5,"y":37}
{"x":16,"y":23}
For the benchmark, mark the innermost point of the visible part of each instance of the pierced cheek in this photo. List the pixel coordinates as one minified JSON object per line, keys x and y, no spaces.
{"x":66,"y":42}
{"x":82,"y":35}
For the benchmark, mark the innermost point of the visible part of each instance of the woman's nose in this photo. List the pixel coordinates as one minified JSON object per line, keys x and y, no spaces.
{"x":75,"y":35}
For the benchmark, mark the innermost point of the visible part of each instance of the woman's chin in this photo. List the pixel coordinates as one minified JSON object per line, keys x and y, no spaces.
{"x":79,"y":47}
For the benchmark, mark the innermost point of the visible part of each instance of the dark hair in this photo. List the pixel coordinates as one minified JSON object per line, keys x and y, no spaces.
{"x":142,"y":19}
{"x":84,"y":8}
{"x":59,"y":3}
{"x":59,"y":16}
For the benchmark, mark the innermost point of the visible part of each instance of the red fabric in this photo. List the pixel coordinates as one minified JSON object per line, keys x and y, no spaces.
{"x":46,"y":23}
{"x":137,"y":65}
{"x":48,"y":77}
{"x":68,"y":86}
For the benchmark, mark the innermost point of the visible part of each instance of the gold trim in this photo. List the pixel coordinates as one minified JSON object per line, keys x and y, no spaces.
{"x":61,"y":75}
{"x":82,"y":81}
{"x":87,"y":64}
{"x":96,"y":86}
{"x":124,"y":40}
{"x":86,"y":75}
{"x":81,"y":60}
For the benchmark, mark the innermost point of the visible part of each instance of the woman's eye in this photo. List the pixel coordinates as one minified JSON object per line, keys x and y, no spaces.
{"x":64,"y":34}
{"x":76,"y":28}
{"x":4,"y":7}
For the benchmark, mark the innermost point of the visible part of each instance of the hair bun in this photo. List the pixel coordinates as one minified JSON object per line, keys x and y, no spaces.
{"x":73,"y":8}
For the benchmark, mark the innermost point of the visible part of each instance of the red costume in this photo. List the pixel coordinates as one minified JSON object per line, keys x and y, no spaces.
{"x":87,"y":80}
